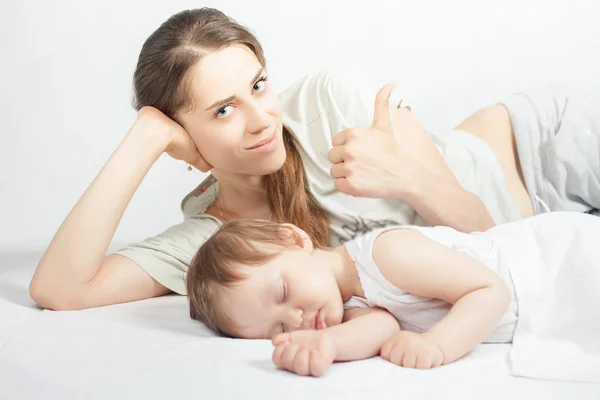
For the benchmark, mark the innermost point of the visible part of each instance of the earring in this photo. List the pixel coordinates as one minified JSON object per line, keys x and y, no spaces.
{"x":189,"y":167}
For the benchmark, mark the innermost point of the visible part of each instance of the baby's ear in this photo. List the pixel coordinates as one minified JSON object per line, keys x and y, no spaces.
{"x":300,"y":238}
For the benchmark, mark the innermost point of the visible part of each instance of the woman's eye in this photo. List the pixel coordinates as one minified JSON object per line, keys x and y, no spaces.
{"x":258,"y":88}
{"x":260,"y":85}
{"x":222,"y":112}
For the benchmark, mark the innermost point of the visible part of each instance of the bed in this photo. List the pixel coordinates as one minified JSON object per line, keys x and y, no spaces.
{"x":152,"y":350}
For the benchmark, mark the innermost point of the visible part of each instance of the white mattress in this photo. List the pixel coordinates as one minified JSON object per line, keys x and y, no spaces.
{"x":152,"y":350}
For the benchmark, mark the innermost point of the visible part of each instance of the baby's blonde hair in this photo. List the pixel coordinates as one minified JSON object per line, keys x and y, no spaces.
{"x":216,"y":265}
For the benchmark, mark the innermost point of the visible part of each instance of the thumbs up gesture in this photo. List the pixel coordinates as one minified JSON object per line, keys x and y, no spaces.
{"x":368,"y":162}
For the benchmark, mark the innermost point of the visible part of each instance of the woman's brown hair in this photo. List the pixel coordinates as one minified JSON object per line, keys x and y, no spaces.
{"x":161,"y":80}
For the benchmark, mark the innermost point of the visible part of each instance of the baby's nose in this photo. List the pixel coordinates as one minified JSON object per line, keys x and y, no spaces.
{"x":295,"y":318}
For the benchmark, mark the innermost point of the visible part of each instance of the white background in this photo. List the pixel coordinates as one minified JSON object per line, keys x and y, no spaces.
{"x":66,"y":69}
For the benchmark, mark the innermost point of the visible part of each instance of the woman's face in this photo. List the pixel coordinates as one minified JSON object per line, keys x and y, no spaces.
{"x":235,"y":120}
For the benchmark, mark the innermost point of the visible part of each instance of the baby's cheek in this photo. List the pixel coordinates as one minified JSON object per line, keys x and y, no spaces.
{"x":321,"y":287}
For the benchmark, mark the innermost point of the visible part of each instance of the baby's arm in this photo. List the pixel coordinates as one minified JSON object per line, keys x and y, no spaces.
{"x":423,"y":267}
{"x":362,"y":333}
{"x":311,"y":352}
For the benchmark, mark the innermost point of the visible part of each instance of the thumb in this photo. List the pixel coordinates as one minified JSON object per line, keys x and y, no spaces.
{"x":280,"y":339}
{"x":381,"y":118}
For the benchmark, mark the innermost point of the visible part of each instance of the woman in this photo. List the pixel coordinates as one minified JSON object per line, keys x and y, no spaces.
{"x":333,"y":178}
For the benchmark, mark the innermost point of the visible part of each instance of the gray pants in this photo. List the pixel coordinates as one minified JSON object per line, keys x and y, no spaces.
{"x":558,"y":141}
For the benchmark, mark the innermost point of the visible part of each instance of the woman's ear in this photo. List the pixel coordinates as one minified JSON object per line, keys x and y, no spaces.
{"x":186,"y":145}
{"x":300,"y":238}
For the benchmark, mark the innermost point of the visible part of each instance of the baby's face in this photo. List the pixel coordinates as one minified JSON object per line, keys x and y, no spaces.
{"x":288,"y":293}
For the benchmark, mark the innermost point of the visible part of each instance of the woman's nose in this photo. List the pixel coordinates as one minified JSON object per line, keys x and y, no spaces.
{"x":258,"y":120}
{"x":294,"y":318}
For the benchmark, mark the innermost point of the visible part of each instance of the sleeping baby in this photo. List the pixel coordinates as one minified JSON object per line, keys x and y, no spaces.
{"x":419,"y":297}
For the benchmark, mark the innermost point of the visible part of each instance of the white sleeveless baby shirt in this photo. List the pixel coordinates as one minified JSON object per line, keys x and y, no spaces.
{"x":415,"y":313}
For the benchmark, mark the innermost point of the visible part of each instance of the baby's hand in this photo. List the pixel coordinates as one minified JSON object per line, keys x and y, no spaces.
{"x":412,"y":350}
{"x":306,"y":352}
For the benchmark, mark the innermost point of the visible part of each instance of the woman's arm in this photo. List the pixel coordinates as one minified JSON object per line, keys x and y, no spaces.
{"x":440,"y":202}
{"x":435,"y":193}
{"x":74,"y":272}
{"x":423,"y":267}
{"x":400,"y":160}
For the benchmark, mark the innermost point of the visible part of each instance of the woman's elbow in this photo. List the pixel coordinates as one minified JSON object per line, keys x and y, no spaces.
{"x":51,"y":298}
{"x":40,"y":293}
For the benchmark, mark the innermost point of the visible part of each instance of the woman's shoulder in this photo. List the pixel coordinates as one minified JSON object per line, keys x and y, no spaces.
{"x":195,"y":203}
{"x":344,"y":94}
{"x":338,"y":77}
{"x":167,"y":255}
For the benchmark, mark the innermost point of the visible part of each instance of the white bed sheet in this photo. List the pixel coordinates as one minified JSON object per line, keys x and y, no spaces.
{"x":152,"y":350}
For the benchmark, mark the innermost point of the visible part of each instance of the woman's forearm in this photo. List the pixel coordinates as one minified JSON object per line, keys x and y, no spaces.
{"x":77,"y":250}
{"x":429,"y":185}
{"x":440,"y":202}
{"x":471,"y":319}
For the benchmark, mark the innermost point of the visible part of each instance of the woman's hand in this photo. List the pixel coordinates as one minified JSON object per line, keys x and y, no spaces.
{"x":412,"y":350}
{"x":179,"y":144}
{"x":75,"y":272}
{"x":369,"y":162}
{"x":305,"y":352}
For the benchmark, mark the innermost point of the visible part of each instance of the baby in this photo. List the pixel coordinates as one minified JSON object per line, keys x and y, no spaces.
{"x":419,"y":297}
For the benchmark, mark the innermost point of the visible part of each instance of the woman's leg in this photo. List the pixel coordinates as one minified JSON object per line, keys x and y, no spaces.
{"x":557,"y":132}
{"x":492,"y":124}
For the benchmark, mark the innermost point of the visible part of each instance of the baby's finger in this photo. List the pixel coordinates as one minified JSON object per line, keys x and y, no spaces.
{"x":396,"y":354}
{"x":423,"y":362}
{"x":301,"y":362}
{"x":288,"y":356}
{"x":409,"y":360}
{"x":437,"y":360}
{"x":317,"y":364}
{"x":386,"y":349}
{"x":280,"y":339}
{"x":277,"y":356}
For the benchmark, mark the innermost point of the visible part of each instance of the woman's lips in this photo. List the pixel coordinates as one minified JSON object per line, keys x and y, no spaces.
{"x":264,"y":143}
